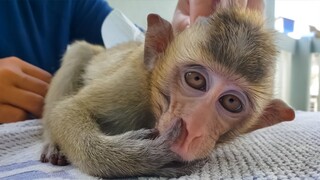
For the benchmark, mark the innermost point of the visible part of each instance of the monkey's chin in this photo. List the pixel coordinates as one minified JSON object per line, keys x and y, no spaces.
{"x":189,"y":155}
{"x":185,"y":156}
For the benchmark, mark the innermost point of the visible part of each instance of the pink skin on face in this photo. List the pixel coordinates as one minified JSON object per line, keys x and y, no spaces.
{"x":204,"y":118}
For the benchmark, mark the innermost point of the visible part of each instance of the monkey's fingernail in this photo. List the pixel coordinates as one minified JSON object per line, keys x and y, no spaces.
{"x":178,"y":123}
{"x":176,"y":129}
{"x":54,"y":159}
{"x":62,"y":161}
{"x":181,"y":135}
{"x":43,"y":158}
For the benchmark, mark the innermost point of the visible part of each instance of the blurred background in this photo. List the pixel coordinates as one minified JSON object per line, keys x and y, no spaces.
{"x":298,"y":25}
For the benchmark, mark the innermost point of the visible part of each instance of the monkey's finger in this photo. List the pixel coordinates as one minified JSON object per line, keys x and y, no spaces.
{"x":43,"y":158}
{"x":10,"y":113}
{"x":62,"y":160}
{"x":147,"y":134}
{"x":174,"y":132}
{"x":56,"y":157}
{"x":141,"y":134}
{"x":154,"y":133}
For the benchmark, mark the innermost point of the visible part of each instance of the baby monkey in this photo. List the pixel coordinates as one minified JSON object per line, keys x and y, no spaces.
{"x":202,"y":87}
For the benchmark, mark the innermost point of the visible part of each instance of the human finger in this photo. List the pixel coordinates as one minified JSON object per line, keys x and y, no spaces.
{"x":256,"y":5}
{"x":181,"y":16}
{"x":33,"y":70}
{"x":180,"y":22}
{"x":25,"y":100}
{"x":201,"y":8}
{"x":32,"y":84}
{"x":10,"y":114}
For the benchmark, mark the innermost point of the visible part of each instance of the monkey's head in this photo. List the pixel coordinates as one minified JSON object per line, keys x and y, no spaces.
{"x":216,"y":76}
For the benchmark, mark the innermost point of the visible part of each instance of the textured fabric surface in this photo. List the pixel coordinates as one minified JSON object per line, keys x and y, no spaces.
{"x":290,"y":150}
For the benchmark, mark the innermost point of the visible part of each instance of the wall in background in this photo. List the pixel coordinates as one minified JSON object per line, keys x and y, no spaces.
{"x":138,"y":10}
{"x":294,"y":61}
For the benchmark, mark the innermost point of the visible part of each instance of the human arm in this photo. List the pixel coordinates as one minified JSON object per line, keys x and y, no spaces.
{"x":23,"y":88}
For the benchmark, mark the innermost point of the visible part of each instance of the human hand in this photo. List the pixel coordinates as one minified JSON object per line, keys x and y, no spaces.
{"x":23,"y":88}
{"x":187,"y":11}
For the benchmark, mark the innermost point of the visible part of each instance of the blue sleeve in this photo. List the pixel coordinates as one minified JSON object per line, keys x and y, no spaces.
{"x":87,"y":20}
{"x":39,"y":31}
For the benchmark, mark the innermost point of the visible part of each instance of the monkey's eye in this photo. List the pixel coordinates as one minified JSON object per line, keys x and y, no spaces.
{"x":195,"y":80}
{"x":231,"y":103}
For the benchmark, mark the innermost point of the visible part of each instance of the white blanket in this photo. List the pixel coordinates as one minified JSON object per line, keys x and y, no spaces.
{"x":290,"y":150}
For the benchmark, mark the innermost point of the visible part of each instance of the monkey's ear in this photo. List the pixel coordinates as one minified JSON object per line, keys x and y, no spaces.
{"x":158,"y":36}
{"x":276,"y":112}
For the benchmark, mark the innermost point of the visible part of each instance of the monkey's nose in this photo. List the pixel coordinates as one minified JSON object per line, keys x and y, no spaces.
{"x":184,"y":144}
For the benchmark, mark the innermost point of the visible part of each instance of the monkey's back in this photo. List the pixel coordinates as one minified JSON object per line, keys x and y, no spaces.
{"x":120,"y":75}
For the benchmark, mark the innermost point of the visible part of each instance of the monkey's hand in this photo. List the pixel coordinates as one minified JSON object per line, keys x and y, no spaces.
{"x":135,"y":153}
{"x":155,"y":157}
{"x":51,"y":153}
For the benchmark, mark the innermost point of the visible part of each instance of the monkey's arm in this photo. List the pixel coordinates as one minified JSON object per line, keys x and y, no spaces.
{"x":67,"y":80}
{"x":73,"y":128}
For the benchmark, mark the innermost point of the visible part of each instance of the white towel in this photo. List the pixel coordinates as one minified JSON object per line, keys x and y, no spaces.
{"x":290,"y":150}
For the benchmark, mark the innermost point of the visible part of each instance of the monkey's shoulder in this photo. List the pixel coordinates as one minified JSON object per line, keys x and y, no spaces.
{"x":121,"y":76}
{"x":125,"y":60}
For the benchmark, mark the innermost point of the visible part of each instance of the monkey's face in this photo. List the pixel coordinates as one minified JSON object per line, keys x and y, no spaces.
{"x":209,"y":105}
{"x":217,"y":77}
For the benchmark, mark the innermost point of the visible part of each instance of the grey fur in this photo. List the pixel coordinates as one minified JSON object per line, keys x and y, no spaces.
{"x":66,"y":119}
